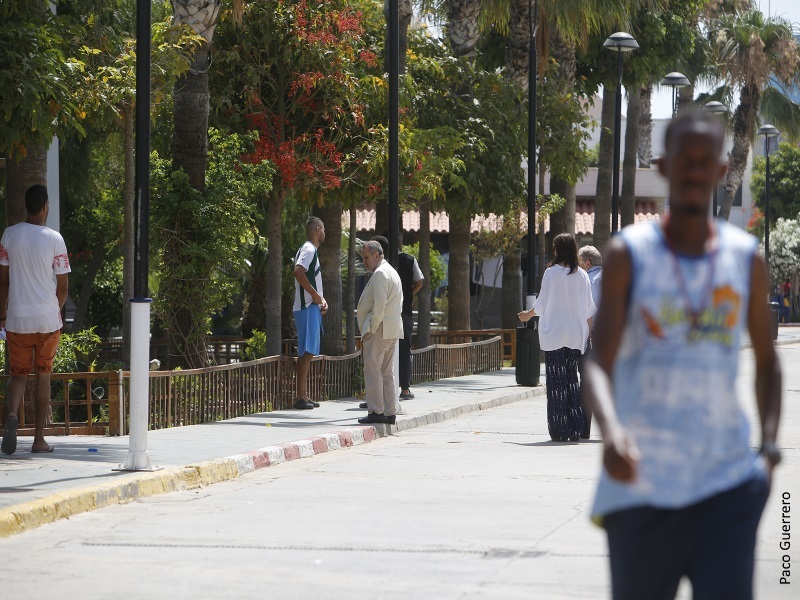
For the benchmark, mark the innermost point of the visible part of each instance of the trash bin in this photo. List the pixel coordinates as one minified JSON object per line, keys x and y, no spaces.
{"x":528,"y":354}
{"x":774,"y":314}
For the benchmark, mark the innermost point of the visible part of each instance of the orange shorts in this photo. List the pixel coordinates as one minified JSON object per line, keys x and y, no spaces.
{"x":36,"y":350}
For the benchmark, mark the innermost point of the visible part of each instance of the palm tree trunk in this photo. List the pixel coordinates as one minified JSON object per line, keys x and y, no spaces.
{"x":424,"y":296}
{"x":274,"y":272}
{"x":563,"y":221}
{"x":462,"y":27}
{"x":190,"y":137}
{"x":744,"y":121}
{"x":685,"y":97}
{"x":330,"y":257}
{"x":458,"y":296}
{"x":350,"y":297}
{"x":645,"y":126}
{"x":20,"y":175}
{"x":518,"y":53}
{"x":129,"y":202}
{"x":602,"y":202}
{"x":628,"y":196}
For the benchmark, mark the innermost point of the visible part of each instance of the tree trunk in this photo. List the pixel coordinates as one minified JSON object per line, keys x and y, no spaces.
{"x":511,"y":301}
{"x":330,"y":258}
{"x":458,"y":296}
{"x":20,"y":175}
{"x":382,"y":217}
{"x":685,"y":97}
{"x":350,"y":297}
{"x":462,"y":27}
{"x":628,"y":196}
{"x":129,"y":203}
{"x":85,"y":294}
{"x":602,"y":202}
{"x":274,"y":272}
{"x":190,"y":137}
{"x":424,"y":296}
{"x":518,"y":52}
{"x":564,"y":220}
{"x":645,"y":126}
{"x":744,"y":120}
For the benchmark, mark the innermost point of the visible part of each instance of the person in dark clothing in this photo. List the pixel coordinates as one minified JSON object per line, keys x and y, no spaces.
{"x":412,"y":279}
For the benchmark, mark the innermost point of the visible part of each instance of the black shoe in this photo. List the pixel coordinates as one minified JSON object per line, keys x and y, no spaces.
{"x":406,"y":395}
{"x":9,"y":445}
{"x":314,"y":404}
{"x":363,"y":405}
{"x":390,"y":419}
{"x":372,"y":419}
{"x":301,"y":404}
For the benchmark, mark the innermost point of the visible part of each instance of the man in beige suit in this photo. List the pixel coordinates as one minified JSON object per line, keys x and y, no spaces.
{"x":381,"y":325}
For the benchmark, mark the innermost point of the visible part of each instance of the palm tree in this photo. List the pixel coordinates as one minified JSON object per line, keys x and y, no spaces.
{"x":751,"y":52}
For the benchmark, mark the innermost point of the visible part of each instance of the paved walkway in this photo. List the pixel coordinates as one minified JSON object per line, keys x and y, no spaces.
{"x":78,"y":476}
{"x":36,"y":489}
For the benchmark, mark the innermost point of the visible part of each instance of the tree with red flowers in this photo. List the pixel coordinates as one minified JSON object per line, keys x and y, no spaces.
{"x":291,"y":72}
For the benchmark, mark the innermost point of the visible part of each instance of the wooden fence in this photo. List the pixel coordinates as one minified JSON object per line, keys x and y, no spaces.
{"x":98,"y":403}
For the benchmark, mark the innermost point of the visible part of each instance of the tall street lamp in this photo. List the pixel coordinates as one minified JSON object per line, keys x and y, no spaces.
{"x":675,"y":81}
{"x":769,"y":132}
{"x":715,"y":108}
{"x":619,"y":42}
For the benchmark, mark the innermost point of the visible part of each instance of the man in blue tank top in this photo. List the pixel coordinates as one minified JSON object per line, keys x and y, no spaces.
{"x":681,"y":492}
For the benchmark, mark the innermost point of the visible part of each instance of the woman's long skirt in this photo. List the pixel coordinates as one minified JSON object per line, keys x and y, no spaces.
{"x":564,"y":412}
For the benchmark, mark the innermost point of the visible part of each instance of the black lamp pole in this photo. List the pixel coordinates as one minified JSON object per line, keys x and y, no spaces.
{"x":715,"y":108}
{"x":619,"y":42}
{"x":533,"y":268}
{"x":769,"y":132}
{"x":142,"y":175}
{"x":393,"y":49}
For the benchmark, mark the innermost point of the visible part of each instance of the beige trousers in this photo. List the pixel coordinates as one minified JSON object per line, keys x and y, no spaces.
{"x":379,"y":375}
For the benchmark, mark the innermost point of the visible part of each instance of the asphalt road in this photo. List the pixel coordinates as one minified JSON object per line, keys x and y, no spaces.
{"x":484,"y":506}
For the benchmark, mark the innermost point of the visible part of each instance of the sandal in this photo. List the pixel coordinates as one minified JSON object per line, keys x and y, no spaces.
{"x":9,"y":445}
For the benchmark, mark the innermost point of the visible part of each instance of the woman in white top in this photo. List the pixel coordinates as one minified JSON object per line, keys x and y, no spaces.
{"x":565,"y":308}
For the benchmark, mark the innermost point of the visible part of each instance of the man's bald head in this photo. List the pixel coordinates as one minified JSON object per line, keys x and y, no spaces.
{"x":694,"y":123}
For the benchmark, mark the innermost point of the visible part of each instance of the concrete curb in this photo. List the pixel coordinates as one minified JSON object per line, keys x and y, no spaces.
{"x":29,"y":515}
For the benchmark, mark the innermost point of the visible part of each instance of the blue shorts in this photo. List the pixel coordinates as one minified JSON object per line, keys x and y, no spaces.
{"x":309,"y":329}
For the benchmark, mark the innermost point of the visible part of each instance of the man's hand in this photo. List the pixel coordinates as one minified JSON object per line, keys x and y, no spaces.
{"x":621,"y":456}
{"x":316,"y":298}
{"x":323,"y":306}
{"x":525,"y":315}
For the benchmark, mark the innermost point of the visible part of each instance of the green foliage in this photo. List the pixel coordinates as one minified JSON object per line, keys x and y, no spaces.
{"x":37,"y":75}
{"x":77,"y":352}
{"x":784,"y":256}
{"x":105,"y":304}
{"x":784,"y":192}
{"x":256,"y":346}
{"x":438,"y":268}
{"x":198,"y":235}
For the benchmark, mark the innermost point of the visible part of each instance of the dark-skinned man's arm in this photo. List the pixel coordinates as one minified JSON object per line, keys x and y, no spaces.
{"x":768,"y":369}
{"x":3,"y":294}
{"x":620,"y":454}
{"x":62,"y":289}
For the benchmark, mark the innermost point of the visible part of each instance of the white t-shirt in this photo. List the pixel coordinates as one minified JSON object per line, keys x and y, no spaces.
{"x":34,"y":255}
{"x":564,"y":306}
{"x":308,"y":258}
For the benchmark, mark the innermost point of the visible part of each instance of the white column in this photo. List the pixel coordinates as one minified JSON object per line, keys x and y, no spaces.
{"x":138,"y":459}
{"x":53,"y":188}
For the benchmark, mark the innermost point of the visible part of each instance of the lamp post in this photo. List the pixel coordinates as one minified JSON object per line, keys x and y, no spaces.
{"x":528,"y":350}
{"x":715,"y":108}
{"x":769,"y":132}
{"x":675,"y":81}
{"x":393,"y":50}
{"x":619,"y":42}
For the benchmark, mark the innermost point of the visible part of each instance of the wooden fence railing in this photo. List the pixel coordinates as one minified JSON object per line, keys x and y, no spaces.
{"x":98,"y":403}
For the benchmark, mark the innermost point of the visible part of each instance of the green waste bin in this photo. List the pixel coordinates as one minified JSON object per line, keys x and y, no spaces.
{"x":774,"y":314}
{"x":528,"y":354}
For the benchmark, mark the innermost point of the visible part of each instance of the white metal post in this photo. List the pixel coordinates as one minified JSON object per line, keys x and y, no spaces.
{"x":138,"y":459}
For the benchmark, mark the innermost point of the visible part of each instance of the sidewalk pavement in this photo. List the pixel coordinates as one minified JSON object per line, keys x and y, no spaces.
{"x":77,"y":477}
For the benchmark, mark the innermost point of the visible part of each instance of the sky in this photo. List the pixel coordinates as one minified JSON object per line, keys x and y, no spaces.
{"x":788,"y":9}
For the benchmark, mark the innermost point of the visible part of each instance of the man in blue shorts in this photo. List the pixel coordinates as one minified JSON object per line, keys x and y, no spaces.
{"x":309,"y":306}
{"x":681,"y":492}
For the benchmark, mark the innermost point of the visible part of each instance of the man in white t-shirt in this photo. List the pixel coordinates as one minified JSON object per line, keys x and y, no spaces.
{"x":309,"y":306}
{"x":33,"y":289}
